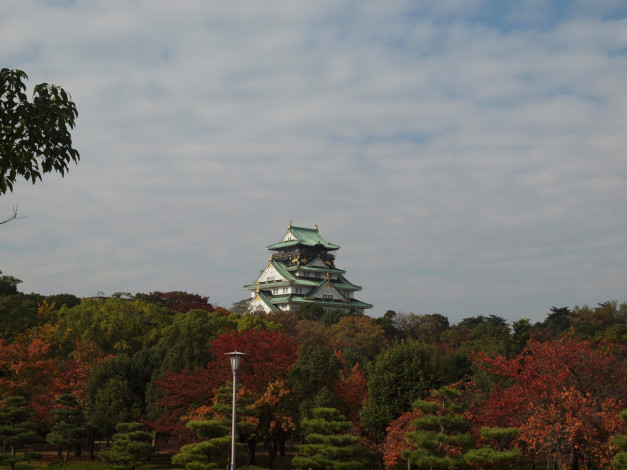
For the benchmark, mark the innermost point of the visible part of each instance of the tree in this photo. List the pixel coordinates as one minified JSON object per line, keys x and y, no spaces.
{"x":68,"y":428}
{"x":8,"y":285}
{"x":441,"y":437}
{"x":495,"y":454}
{"x":199,"y":455}
{"x":35,"y":137}
{"x":358,"y":333}
{"x":178,"y":301}
{"x":16,"y":426}
{"x":270,"y":355}
{"x":310,"y":311}
{"x":399,"y":375}
{"x":312,"y":377}
{"x":395,"y":442}
{"x":184,"y":344}
{"x":562,"y":394}
{"x":117,"y":390}
{"x":620,"y":441}
{"x":351,"y":390}
{"x":328,"y":444}
{"x":214,"y":425}
{"x":27,"y":370}
{"x":274,"y":421}
{"x":131,"y":444}
{"x":115,"y":325}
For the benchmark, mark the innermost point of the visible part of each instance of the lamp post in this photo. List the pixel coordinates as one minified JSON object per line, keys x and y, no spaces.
{"x":235,"y":362}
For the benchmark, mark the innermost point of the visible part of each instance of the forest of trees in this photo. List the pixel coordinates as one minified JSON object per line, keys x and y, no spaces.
{"x":339,"y":390}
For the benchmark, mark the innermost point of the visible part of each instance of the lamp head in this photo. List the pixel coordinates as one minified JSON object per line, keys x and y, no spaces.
{"x":235,"y":359}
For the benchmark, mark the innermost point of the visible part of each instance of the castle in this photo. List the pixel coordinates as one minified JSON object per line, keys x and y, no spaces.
{"x":302,"y":270}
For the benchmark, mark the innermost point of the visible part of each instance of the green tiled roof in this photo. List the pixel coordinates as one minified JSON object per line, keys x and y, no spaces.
{"x":328,"y":303}
{"x":343,"y":283}
{"x":306,"y":237}
{"x":267,"y":301}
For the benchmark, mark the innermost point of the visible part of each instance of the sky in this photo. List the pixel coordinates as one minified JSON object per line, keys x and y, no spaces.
{"x":467,"y":155}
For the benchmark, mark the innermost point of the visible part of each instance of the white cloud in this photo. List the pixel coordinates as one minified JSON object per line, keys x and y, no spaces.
{"x":464,"y":165}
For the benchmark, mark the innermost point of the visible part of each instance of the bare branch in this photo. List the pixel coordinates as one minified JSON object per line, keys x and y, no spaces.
{"x":13,"y":217}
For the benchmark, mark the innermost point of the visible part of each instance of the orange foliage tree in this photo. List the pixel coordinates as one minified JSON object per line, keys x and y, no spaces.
{"x":562,"y":394}
{"x":351,"y":389}
{"x":26,"y":369}
{"x":395,"y":441}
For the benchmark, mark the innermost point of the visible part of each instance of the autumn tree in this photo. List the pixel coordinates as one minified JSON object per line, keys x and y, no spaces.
{"x":395,"y":442}
{"x":351,"y":390}
{"x":35,"y":137}
{"x":275,"y":423}
{"x":442,"y":436}
{"x":270,"y":355}
{"x":562,"y":394}
{"x":28,"y":371}
{"x":328,"y":444}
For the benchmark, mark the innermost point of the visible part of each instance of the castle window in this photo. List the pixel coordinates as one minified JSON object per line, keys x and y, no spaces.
{"x":270,"y":278}
{"x":327,"y":296}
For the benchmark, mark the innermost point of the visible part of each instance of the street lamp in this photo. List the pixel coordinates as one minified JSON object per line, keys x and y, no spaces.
{"x":235,"y":361}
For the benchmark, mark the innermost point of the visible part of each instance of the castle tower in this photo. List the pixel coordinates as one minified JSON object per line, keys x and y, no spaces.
{"x":302,"y":270}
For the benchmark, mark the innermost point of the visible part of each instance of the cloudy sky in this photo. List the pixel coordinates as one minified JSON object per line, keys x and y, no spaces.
{"x":468,"y":155}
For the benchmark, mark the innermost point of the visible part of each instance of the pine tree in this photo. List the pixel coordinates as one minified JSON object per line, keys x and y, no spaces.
{"x":497,"y":455}
{"x":620,"y":441}
{"x":16,"y":430}
{"x":68,"y":428}
{"x":441,"y":437}
{"x":130,"y":444}
{"x":214,"y":451}
{"x":328,"y":444}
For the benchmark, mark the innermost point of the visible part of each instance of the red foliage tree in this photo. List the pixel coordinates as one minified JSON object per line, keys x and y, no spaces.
{"x":351,"y":389}
{"x":270,"y":354}
{"x":183,"y":302}
{"x":562,"y":394}
{"x":77,"y":370}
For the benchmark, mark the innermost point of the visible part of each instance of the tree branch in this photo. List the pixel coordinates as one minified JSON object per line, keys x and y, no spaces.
{"x":13,"y":217}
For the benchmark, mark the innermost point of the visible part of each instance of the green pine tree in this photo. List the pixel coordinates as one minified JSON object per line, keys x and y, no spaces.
{"x":68,"y":428}
{"x":620,"y":441}
{"x":329,"y":446}
{"x":441,"y":437}
{"x":215,"y":450}
{"x":16,"y":430}
{"x":496,"y":455}
{"x":131,"y":444}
